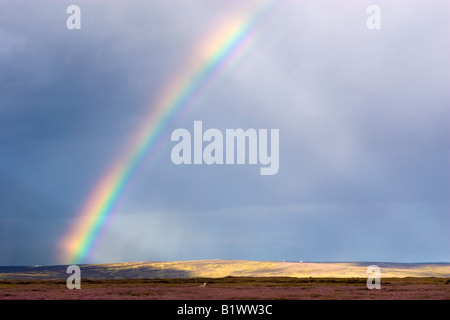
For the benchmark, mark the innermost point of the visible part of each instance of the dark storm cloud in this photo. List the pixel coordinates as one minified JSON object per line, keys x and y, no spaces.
{"x":363,"y":118}
{"x":70,"y":100}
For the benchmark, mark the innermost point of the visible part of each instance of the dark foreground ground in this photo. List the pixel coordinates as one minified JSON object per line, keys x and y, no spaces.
{"x":241,"y":288}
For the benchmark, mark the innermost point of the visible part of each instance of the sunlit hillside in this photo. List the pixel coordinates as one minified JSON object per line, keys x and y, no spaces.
{"x":225,"y":268}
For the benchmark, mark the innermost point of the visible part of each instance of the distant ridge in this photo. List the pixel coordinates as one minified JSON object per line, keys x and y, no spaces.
{"x":227,"y":268}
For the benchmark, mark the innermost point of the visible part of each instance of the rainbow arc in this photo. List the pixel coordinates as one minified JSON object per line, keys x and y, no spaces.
{"x":209,"y":58}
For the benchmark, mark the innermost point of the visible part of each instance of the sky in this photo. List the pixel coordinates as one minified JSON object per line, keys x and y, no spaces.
{"x":363,"y":119}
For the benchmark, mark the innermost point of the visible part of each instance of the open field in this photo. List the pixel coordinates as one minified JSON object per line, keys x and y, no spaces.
{"x":228,"y":279}
{"x":242,"y":288}
{"x":227,"y":268}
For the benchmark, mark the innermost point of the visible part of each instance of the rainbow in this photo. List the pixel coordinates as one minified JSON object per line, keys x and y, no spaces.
{"x":213,"y":54}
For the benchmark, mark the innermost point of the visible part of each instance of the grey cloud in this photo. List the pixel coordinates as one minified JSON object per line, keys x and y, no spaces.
{"x":363,"y":119}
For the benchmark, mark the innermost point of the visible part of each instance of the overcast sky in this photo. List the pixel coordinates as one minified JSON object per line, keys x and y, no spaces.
{"x":363,"y":117}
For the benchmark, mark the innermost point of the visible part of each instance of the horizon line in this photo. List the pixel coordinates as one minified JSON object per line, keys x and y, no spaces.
{"x":205,"y":260}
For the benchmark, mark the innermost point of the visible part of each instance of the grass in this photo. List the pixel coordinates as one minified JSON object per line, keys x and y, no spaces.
{"x":245,"y":288}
